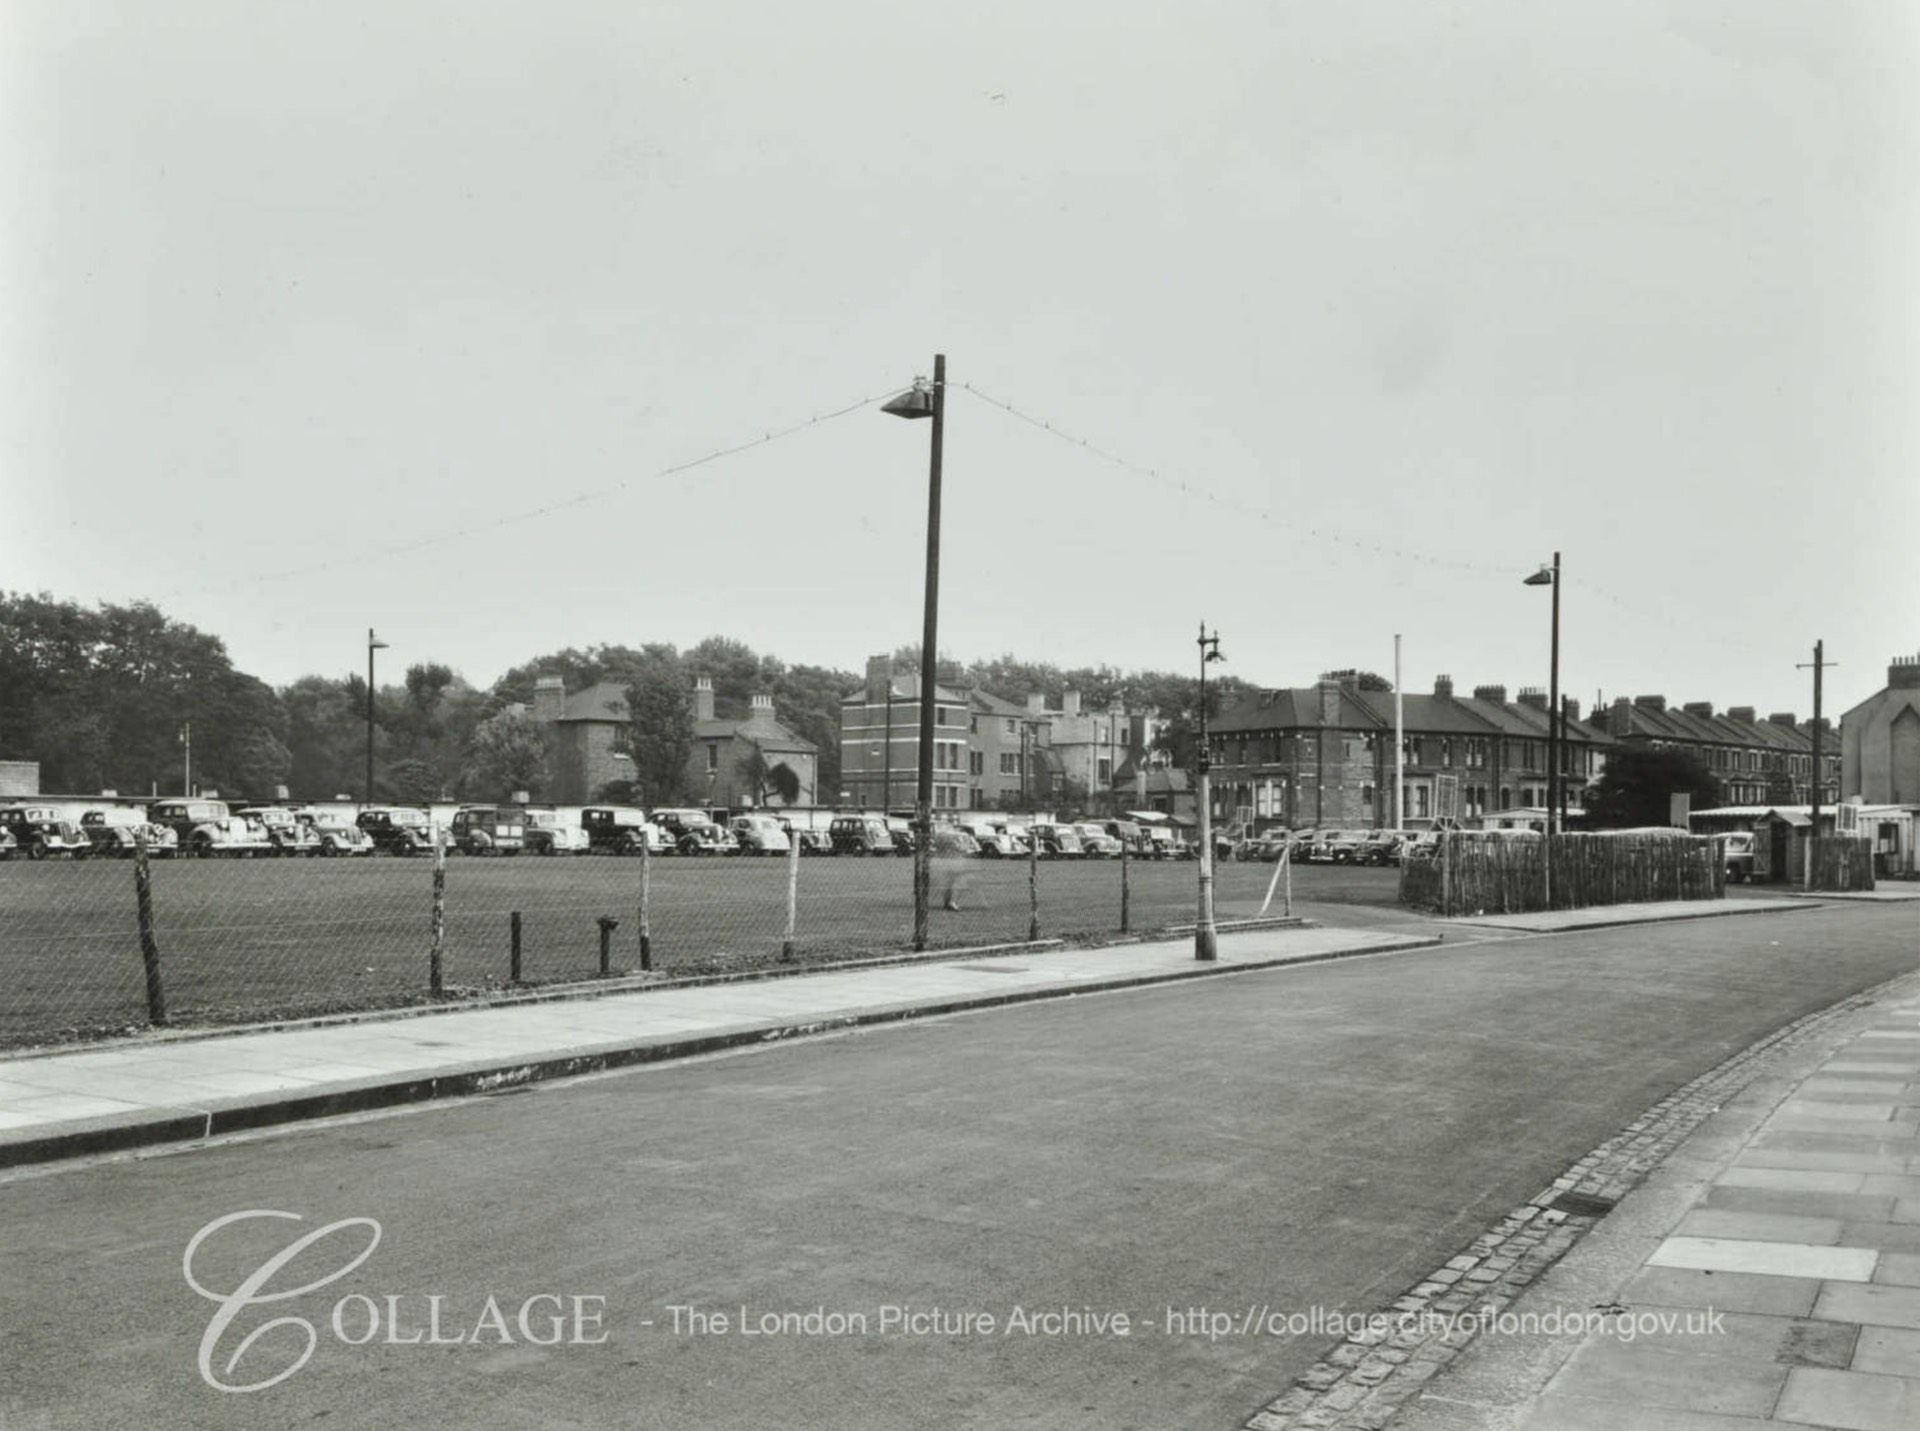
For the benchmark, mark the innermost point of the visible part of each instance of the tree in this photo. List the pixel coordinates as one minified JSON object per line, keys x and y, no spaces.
{"x":764,"y":779}
{"x":660,"y":733}
{"x":1639,"y":782}
{"x":508,"y":754}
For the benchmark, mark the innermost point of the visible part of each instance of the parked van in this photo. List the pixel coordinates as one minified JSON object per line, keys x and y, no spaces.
{"x":490,"y":830}
{"x":556,"y":832}
{"x":860,"y":835}
{"x":622,"y":830}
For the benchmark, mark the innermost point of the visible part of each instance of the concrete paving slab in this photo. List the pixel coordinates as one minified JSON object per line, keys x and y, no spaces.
{"x":1888,"y":1351}
{"x":1723,"y":1291}
{"x":1885,"y":1236}
{"x":1640,"y":1376}
{"x":1792,"y":1179}
{"x":1898,"y":1269}
{"x":1759,"y":1227}
{"x":1873,"y":1305}
{"x":1786,"y":1202}
{"x":1775,"y":1259}
{"x":1857,"y":1401}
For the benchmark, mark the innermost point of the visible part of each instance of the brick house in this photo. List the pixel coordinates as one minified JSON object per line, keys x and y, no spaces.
{"x":720,"y":767}
{"x":1880,"y":740}
{"x":880,"y":742}
{"x":588,"y":730}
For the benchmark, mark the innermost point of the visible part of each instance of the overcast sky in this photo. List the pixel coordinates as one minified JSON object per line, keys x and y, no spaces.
{"x":328,"y":315}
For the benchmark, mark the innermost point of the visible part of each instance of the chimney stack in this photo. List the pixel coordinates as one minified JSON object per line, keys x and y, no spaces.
{"x":549,"y":698}
{"x":1657,"y":704}
{"x":1741,"y":713}
{"x":702,"y":698}
{"x":1443,"y":685}
{"x":1496,"y":694}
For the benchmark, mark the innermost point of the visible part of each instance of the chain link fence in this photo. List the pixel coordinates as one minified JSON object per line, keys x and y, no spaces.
{"x":256,"y":938}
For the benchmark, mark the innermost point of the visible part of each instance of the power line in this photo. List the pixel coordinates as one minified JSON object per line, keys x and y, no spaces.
{"x":532,"y":514}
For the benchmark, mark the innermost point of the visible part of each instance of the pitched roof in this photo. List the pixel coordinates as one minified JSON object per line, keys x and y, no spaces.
{"x":760,"y":727}
{"x":605,"y":700}
{"x":1288,"y":709}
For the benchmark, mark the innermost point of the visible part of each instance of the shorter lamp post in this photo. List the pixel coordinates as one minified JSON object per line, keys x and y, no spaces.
{"x":1550,"y":576}
{"x":1206,"y":943}
{"x":373,"y":644}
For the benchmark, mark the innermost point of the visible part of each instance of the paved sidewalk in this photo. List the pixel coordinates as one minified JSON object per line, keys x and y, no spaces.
{"x":166,"y":1089}
{"x":1560,"y":921}
{"x":1767,"y":1274}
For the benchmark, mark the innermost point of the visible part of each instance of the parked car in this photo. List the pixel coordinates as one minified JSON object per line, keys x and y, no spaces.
{"x":555,"y":832}
{"x":860,"y":835}
{"x":9,"y":846}
{"x":951,"y":840}
{"x":336,"y":835}
{"x":705,"y":838}
{"x":1132,"y":837}
{"x":43,"y":831}
{"x":486,"y":830}
{"x":1096,"y":843}
{"x":118,"y":829}
{"x":1058,"y":842}
{"x":812,"y":840}
{"x":1736,"y":848}
{"x":397,"y":829}
{"x":1269,"y":845}
{"x":209,"y":828}
{"x":900,"y":830}
{"x":759,"y":835}
{"x":622,"y":830}
{"x":286,"y":833}
{"x":1167,"y":843}
{"x":1380,"y":847}
{"x":1342,"y":846}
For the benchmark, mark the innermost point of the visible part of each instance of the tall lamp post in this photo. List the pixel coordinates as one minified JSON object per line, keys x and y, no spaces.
{"x":1550,"y":576}
{"x":373,"y":644}
{"x":1206,"y":943}
{"x":923,"y":400}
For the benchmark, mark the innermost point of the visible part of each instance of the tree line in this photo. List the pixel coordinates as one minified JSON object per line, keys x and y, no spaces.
{"x":107,"y":698}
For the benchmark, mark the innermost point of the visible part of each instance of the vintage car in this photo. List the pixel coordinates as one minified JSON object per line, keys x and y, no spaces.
{"x":812,"y":839}
{"x":489,"y":830}
{"x":759,"y":835}
{"x":1098,"y":842}
{"x":285,"y":830}
{"x":118,"y":830}
{"x":622,"y":830}
{"x":44,"y":831}
{"x":207,"y":829}
{"x":335,"y":834}
{"x":1380,"y":847}
{"x":397,"y":829}
{"x":556,"y":832}
{"x":991,"y":836}
{"x":860,"y":835}
{"x":1058,"y":842}
{"x":900,"y":831}
{"x":1737,"y":850}
{"x":951,"y":841}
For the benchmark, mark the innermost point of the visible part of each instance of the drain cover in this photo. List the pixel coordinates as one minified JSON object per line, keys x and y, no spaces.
{"x":1576,"y":1204}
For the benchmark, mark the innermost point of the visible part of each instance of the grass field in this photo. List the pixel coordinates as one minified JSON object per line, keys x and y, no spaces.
{"x":251,"y":939}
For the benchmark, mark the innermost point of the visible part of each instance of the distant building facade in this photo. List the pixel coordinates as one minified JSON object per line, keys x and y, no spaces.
{"x":733,"y":760}
{"x":587,"y":732}
{"x":1880,"y":740}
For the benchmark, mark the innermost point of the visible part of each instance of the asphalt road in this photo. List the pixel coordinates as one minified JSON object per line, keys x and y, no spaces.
{"x":1318,"y":1136}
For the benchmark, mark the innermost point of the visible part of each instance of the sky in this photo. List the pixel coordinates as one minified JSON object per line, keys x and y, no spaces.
{"x":1320,"y":324}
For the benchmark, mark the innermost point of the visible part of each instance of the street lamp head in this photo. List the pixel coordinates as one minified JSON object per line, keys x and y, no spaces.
{"x":916,"y":401}
{"x":1542,"y":577}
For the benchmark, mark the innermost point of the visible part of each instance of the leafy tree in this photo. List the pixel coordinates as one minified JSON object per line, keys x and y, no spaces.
{"x":1635,"y":788}
{"x":508,"y":753}
{"x":766,"y":779}
{"x":660,"y":733}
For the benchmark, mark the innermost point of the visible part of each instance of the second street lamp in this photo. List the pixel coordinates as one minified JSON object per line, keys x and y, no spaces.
{"x":1206,"y":944}
{"x":373,"y":644}
{"x":1550,"y":576}
{"x":922,"y":401}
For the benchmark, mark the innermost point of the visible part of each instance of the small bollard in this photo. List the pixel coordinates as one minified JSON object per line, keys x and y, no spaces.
{"x":607,"y":925}
{"x":513,"y":956}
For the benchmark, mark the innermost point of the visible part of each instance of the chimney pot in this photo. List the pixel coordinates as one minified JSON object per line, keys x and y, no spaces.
{"x":1443,"y":685}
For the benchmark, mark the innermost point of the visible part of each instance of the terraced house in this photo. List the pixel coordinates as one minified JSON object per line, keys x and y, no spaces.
{"x":1324,"y":755}
{"x":1757,"y":762}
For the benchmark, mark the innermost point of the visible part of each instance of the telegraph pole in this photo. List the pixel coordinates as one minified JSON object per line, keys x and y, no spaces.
{"x":1819,"y":664}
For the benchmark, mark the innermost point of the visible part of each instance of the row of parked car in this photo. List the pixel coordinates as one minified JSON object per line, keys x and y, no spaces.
{"x":1338,"y":847}
{"x":208,"y":828}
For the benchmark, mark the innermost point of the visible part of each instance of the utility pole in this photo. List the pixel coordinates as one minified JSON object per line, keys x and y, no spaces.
{"x":1206,"y":946}
{"x":1820,"y":663}
{"x":186,"y":767}
{"x":1399,"y":745}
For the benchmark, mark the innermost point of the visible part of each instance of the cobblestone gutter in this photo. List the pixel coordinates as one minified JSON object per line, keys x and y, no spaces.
{"x":1363,"y":1382}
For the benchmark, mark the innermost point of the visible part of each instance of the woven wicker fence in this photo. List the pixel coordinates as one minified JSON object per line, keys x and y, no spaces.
{"x":1476,"y":872}
{"x":1842,"y":862}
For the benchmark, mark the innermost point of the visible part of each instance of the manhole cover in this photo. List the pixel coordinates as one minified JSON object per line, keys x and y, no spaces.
{"x":993,"y":968}
{"x":1576,"y":1204}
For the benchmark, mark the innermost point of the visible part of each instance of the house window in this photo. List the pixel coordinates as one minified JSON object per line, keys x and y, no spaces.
{"x":713,"y":755}
{"x":1446,"y":750}
{"x":976,"y":763}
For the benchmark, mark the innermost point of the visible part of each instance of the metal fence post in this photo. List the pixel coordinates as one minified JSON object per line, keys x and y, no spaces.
{"x":435,"y":978}
{"x":646,"y":887}
{"x":793,"y":893}
{"x":607,"y":925}
{"x":1033,"y":885}
{"x":1126,"y":893}
{"x":149,"y":947}
{"x":513,"y":954}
